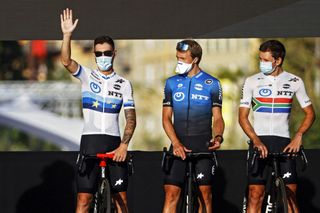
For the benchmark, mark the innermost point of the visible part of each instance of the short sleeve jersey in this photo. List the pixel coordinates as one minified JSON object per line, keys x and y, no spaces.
{"x":271,"y":100}
{"x":192,"y":100}
{"x":102,"y":99}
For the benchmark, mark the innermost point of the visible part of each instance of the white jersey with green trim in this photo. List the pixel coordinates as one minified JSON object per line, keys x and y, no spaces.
{"x":271,"y":101}
{"x":102,"y":99}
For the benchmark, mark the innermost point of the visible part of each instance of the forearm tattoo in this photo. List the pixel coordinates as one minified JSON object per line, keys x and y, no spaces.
{"x":130,"y":115}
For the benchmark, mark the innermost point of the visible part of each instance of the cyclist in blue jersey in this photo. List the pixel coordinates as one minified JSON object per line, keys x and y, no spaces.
{"x":194,"y":99}
{"x":103,"y":94}
{"x":270,"y":93}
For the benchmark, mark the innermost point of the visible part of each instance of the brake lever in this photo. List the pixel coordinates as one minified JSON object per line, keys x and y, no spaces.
{"x":164,"y":155}
{"x":254,"y":158}
{"x":215,"y":159}
{"x":304,"y":159}
{"x":80,"y":159}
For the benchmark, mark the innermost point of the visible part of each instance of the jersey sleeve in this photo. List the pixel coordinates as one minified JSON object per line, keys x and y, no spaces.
{"x":216,"y":94}
{"x":302,"y":96}
{"x":128,"y":101}
{"x":82,"y":73}
{"x":167,"y":96}
{"x":246,"y":95}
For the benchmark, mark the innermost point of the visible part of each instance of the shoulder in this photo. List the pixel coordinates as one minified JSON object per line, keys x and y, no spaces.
{"x":292,"y":77}
{"x":174,"y":79}
{"x":118,"y":79}
{"x":208,"y":79}
{"x":253,"y":80}
{"x":256,"y":77}
{"x":82,"y":69}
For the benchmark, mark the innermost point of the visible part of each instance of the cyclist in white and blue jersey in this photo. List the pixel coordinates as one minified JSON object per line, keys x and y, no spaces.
{"x":193,"y":98}
{"x":103,"y":94}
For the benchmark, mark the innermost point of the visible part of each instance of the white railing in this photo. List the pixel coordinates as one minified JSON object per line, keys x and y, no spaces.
{"x":61,"y":97}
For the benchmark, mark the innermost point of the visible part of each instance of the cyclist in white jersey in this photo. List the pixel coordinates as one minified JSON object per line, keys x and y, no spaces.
{"x":103,"y":94}
{"x":269,"y":94}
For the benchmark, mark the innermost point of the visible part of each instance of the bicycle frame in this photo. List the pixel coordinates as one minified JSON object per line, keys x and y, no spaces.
{"x":276,"y":179}
{"x":103,"y":158}
{"x":191,"y":157}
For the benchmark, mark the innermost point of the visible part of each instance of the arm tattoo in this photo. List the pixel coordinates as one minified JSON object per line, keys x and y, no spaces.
{"x":130,"y":115}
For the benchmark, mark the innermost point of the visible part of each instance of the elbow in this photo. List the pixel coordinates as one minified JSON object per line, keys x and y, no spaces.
{"x":220,"y":121}
{"x":65,"y":62}
{"x":241,"y":120}
{"x":164,"y":122}
{"x":311,"y":114}
{"x":134,"y":124}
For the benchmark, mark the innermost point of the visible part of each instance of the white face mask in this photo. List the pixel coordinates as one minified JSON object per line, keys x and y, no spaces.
{"x":183,"y":68}
{"x":104,"y":62}
{"x":266,"y":67}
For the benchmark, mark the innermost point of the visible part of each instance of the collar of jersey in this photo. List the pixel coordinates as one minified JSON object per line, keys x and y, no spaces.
{"x":195,"y":76}
{"x":107,"y":76}
{"x":275,"y":78}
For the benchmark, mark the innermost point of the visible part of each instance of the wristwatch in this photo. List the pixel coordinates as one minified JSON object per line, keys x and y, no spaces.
{"x":219,"y":136}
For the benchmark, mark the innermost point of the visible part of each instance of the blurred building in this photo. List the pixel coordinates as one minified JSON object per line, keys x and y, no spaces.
{"x":147,"y":63}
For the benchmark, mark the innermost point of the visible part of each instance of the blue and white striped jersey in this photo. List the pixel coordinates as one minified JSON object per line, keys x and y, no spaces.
{"x":102,"y":99}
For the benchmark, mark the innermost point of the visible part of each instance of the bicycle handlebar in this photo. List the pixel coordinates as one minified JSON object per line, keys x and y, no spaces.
{"x":83,"y":157}
{"x":190,"y":156}
{"x":101,"y":156}
{"x":194,"y":155}
{"x":278,"y":155}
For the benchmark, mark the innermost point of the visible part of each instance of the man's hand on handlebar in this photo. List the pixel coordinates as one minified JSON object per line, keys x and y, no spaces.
{"x":180,"y":150}
{"x":294,"y":145}
{"x":120,"y":154}
{"x":261,"y":148}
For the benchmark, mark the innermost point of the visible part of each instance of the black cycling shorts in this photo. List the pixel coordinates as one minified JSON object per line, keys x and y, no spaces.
{"x":264,"y":169}
{"x":204,"y":168}
{"x":117,"y":172}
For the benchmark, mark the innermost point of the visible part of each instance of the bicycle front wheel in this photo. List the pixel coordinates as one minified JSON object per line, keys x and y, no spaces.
{"x":104,"y":197}
{"x":281,"y":201}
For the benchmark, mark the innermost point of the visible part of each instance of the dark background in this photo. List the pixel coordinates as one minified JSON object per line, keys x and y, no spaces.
{"x":161,"y":19}
{"x":34,"y":182}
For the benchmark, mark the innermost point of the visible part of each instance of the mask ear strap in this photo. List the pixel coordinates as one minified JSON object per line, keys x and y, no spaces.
{"x":195,"y":60}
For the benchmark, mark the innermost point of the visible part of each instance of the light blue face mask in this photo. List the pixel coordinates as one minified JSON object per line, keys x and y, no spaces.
{"x":266,"y":67}
{"x":104,"y":62}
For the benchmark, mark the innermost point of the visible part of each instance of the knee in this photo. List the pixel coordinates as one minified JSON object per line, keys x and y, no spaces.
{"x":255,"y":196}
{"x":207,"y":197}
{"x":206,"y":194}
{"x":84,"y":199}
{"x":172,"y":195}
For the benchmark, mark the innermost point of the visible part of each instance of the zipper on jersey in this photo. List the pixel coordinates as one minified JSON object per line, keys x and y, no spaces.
{"x":103,"y":119}
{"x":274,"y":93}
{"x":187,"y":130}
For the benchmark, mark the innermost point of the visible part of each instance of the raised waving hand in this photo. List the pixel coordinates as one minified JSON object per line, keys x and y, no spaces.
{"x":67,"y":24}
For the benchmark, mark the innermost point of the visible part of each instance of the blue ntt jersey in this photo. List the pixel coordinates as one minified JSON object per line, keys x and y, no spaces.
{"x":192,"y":100}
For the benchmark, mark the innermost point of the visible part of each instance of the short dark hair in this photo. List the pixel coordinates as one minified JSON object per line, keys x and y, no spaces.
{"x":104,"y":39}
{"x":276,"y":48}
{"x":195,"y":48}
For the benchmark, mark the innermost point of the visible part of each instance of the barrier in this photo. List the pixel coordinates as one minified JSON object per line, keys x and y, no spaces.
{"x":32,"y":182}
